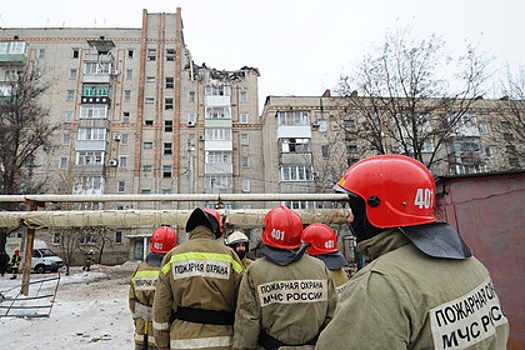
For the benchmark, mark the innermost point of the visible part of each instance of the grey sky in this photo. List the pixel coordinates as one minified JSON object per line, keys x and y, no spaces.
{"x":300,"y":47}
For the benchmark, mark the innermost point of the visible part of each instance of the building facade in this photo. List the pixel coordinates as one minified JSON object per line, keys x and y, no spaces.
{"x":138,"y":116}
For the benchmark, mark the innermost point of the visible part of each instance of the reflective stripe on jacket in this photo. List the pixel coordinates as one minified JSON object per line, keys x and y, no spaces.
{"x":290,"y":303}
{"x":141,"y":296}
{"x":201,"y":274}
{"x":405,"y":299}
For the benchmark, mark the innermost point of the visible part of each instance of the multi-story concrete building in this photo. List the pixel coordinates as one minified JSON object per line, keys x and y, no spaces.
{"x":138,"y":115}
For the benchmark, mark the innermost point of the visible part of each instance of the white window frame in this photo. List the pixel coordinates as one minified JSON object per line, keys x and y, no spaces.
{"x":218,"y":134}
{"x":92,"y":134}
{"x":296,"y":173}
{"x":246,"y":185}
{"x":218,"y":157}
{"x":123,"y":162}
{"x":244,"y":118}
{"x":63,"y":162}
{"x":89,"y":158}
{"x":93,"y":112}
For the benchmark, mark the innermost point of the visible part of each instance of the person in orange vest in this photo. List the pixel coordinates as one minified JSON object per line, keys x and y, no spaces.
{"x":143,"y":285}
{"x":15,"y":263}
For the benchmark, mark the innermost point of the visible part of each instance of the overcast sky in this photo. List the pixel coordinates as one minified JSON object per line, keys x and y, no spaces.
{"x":299,"y":47}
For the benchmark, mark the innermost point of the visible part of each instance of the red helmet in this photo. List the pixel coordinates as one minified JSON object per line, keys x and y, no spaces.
{"x":322,"y":238}
{"x":163,"y":240}
{"x":282,"y":228}
{"x":216,"y":215}
{"x":397,"y":190}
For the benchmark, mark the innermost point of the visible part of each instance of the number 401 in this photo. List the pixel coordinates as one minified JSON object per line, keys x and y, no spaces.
{"x":424,"y":198}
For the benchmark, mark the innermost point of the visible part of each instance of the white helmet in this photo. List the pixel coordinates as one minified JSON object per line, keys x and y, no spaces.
{"x":237,"y":237}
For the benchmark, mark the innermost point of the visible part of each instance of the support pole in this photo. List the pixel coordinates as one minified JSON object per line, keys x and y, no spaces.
{"x":28,"y":256}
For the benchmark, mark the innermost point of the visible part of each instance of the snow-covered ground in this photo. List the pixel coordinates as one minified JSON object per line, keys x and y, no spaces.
{"x":90,"y":312}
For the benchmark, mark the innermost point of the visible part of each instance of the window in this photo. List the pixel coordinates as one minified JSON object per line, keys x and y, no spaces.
{"x":218,"y":134}
{"x":93,"y":112}
{"x":152,"y":54}
{"x":192,"y":118}
{"x":129,"y":74}
{"x":295,"y":145}
{"x":150,"y":100}
{"x":72,"y":74}
{"x":118,"y":236}
{"x":166,"y":171}
{"x":122,"y":186}
{"x":489,"y":152}
{"x":168,"y":125}
{"x":168,"y":148}
{"x":245,"y":162}
{"x":323,"y":125}
{"x":70,"y":95}
{"x":148,"y":145}
{"x":244,"y":118}
{"x":349,"y":124}
{"x":243,"y":97}
{"x":91,"y":134}
{"x":147,"y":168}
{"x":145,"y":191}
{"x":170,"y":83}
{"x":168,"y":103}
{"x":124,"y":139}
{"x":91,"y":183}
{"x":508,"y":137}
{"x":217,"y":90}
{"x":97,"y":68}
{"x":41,"y":53}
{"x":66,"y":138}
{"x":482,"y":128}
{"x":89,"y":158}
{"x":127,"y":95}
{"x":131,"y":52}
{"x":296,"y":173}
{"x":125,"y":117}
{"x":218,"y":157}
{"x":123,"y":162}
{"x":191,"y":139}
{"x":148,"y":122}
{"x":69,"y":117}
{"x":56,"y":238}
{"x":63,"y":162}
{"x":191,"y":96}
{"x":170,"y":54}
{"x":293,"y":118}
{"x":218,"y":112}
{"x":246,"y":185}
{"x":351,"y":148}
{"x":75,"y":53}
{"x":514,"y":162}
{"x":218,"y":182}
{"x":245,"y":141}
{"x":325,"y":151}
{"x":299,"y":204}
{"x":150,"y":80}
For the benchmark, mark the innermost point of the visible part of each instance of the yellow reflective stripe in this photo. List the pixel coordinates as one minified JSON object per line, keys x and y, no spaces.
{"x":200,"y":343}
{"x":145,"y":273}
{"x":202,"y":256}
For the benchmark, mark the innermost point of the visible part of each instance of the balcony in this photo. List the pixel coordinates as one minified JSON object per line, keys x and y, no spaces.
{"x":13,"y":53}
{"x":217,"y":100}
{"x":91,"y":145}
{"x":218,"y":145}
{"x":218,"y":168}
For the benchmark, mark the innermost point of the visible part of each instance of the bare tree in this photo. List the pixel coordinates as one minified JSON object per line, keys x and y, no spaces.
{"x":511,"y":111}
{"x":408,"y":105}
{"x":26,"y":131}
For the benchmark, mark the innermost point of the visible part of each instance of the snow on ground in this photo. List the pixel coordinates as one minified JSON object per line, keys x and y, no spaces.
{"x":90,"y":311}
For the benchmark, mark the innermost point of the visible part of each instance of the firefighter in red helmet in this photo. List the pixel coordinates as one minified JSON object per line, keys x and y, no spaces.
{"x":423,"y":289}
{"x":287,"y":297}
{"x":143,"y":284}
{"x":197,"y":289}
{"x":323,"y":245}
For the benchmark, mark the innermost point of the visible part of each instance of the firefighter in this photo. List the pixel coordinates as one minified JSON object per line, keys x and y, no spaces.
{"x":422,"y":289}
{"x":323,"y":245}
{"x":197,"y":289}
{"x":241,"y":245}
{"x":15,"y":263}
{"x":142,"y":286}
{"x":286,"y":297}
{"x":88,"y":260}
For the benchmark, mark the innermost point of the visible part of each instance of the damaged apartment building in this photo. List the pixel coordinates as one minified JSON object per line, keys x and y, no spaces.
{"x":138,"y":116}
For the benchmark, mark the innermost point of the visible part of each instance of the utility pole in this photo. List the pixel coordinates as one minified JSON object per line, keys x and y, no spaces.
{"x":30,"y":241}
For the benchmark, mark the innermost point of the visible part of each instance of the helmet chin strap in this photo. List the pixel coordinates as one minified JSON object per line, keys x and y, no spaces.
{"x":241,"y":254}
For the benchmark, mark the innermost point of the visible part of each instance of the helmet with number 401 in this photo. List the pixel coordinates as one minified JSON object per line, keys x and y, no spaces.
{"x":322,"y":239}
{"x":163,"y":240}
{"x":398,"y":190}
{"x":282,"y":228}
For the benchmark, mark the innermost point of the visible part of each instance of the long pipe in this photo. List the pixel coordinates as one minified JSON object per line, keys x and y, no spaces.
{"x":178,"y":197}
